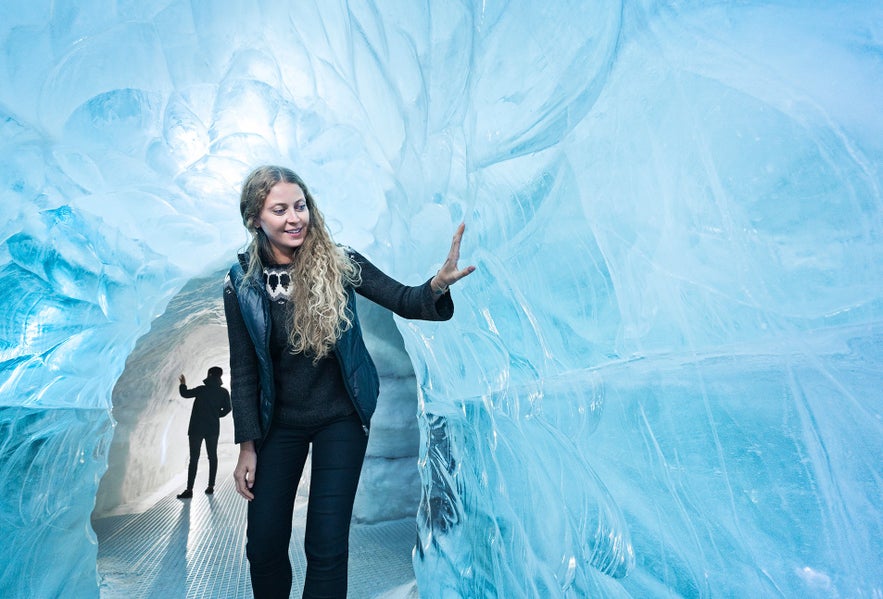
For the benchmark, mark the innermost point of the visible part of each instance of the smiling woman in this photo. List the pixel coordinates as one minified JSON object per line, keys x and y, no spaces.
{"x":302,"y":380}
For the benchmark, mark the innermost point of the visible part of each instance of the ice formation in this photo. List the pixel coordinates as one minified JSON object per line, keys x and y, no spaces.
{"x":664,"y":378}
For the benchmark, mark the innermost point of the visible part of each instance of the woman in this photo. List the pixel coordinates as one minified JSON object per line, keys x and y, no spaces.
{"x":301,"y":375}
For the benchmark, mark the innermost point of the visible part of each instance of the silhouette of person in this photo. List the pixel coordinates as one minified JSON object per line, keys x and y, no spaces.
{"x":211,"y":403}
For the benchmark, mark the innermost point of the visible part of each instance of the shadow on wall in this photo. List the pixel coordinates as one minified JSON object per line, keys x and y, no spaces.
{"x":149,"y":448}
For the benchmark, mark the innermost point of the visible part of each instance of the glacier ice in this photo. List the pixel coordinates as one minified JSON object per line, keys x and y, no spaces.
{"x":663,"y":380}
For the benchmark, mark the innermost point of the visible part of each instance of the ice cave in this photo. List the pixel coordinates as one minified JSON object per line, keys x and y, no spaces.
{"x":664,"y":378}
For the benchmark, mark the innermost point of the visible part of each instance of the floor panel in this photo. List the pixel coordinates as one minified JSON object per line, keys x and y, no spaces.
{"x":196,"y":548}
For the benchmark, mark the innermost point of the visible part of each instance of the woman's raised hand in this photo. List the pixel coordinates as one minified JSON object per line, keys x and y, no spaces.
{"x":450,"y":273}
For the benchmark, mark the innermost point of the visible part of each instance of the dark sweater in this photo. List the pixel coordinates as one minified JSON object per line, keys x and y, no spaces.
{"x":306,"y":395}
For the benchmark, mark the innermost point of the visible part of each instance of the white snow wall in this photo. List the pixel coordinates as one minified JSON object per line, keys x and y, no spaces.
{"x":664,"y":378}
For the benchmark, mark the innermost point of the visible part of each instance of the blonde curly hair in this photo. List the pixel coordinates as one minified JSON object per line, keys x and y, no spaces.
{"x":320,"y":271}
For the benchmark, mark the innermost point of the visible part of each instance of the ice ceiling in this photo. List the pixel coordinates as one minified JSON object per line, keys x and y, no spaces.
{"x":663,"y":380}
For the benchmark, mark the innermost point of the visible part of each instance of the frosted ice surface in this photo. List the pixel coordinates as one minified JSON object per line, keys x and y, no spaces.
{"x":664,"y":379}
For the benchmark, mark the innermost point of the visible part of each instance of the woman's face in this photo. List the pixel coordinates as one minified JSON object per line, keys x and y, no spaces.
{"x":285,"y":220}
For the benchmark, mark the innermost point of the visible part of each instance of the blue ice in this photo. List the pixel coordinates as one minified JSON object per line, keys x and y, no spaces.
{"x":662,"y":381}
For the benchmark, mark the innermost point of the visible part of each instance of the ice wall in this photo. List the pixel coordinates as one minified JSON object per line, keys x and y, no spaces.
{"x":662,"y":381}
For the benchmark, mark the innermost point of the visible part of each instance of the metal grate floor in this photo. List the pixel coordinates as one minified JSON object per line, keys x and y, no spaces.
{"x":196,"y":548}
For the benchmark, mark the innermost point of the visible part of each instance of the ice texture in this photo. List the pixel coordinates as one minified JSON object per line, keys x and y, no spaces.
{"x":664,"y":378}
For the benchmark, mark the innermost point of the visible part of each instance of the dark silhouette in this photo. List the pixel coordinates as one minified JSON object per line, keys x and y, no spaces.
{"x":211,"y":403}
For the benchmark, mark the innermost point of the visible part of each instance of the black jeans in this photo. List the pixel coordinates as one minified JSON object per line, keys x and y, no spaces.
{"x":211,"y":448}
{"x":337,"y":455}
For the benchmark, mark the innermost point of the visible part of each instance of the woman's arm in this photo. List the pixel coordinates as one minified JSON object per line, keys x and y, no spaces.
{"x":244,"y":392}
{"x":429,"y":301}
{"x":244,"y":377}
